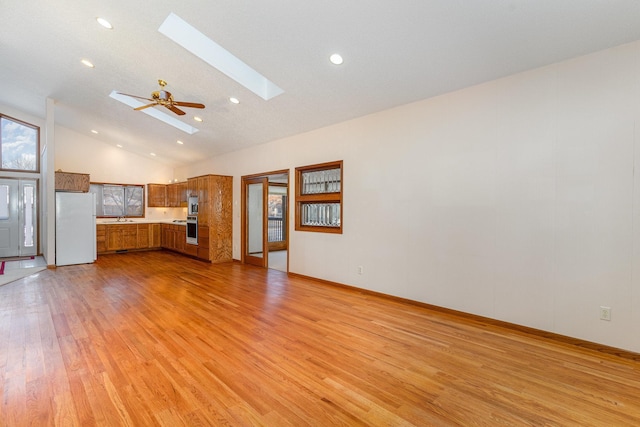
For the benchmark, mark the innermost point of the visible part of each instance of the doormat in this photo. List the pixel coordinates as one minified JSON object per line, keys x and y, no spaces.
{"x":17,"y":258}
{"x":2,"y":268}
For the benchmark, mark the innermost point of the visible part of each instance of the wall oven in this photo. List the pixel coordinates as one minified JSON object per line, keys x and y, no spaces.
{"x":192,"y":229}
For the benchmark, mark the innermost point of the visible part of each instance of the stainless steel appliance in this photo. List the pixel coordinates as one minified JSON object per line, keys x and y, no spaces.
{"x":192,"y":205}
{"x":192,"y":229}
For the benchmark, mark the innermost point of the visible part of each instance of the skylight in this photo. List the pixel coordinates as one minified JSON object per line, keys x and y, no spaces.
{"x":170,"y":120}
{"x":218,"y":57}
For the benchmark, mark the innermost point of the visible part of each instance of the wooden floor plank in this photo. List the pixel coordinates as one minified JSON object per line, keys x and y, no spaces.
{"x":154,"y":338}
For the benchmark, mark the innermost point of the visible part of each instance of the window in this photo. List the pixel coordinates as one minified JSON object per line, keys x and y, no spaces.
{"x":19,"y":145}
{"x":319,"y":198}
{"x":114,"y":200}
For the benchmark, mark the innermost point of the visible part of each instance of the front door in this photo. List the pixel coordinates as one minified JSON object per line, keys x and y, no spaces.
{"x":18,"y":224}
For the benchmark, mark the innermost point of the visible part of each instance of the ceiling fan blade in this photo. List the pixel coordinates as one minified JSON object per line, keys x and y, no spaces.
{"x":135,"y":96}
{"x":175,"y":110}
{"x":188,"y":104}
{"x":145,"y":106}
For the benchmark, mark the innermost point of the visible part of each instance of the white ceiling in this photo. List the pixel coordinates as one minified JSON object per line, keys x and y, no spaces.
{"x":395,"y":52}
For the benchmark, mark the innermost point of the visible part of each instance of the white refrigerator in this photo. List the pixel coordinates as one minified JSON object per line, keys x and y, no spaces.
{"x":75,"y":228}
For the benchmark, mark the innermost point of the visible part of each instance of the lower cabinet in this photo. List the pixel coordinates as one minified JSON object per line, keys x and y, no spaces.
{"x":101,"y":238}
{"x":174,"y":237}
{"x":120,"y":237}
{"x":155,"y":236}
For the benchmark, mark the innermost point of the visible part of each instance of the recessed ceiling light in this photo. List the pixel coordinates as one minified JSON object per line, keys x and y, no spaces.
{"x":104,"y":23}
{"x":234,"y":100}
{"x":197,"y":118}
{"x":180,"y":142}
{"x":119,"y":145}
{"x":336,"y":59}
{"x":170,"y":120}
{"x":87,"y":63}
{"x":218,"y":57}
{"x":153,"y":154}
{"x":94,"y":131}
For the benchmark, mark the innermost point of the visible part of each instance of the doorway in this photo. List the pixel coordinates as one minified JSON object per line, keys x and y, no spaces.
{"x":18,"y":217}
{"x":265,"y":219}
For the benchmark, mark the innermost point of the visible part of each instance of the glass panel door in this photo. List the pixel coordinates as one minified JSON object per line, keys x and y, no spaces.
{"x":9,"y":224}
{"x":255,"y":238}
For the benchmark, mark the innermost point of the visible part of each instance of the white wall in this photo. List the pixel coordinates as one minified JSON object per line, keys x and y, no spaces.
{"x":80,"y":153}
{"x":515,"y":199}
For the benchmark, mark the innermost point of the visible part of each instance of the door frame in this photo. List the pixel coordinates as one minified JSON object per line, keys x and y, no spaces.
{"x":252,"y":179}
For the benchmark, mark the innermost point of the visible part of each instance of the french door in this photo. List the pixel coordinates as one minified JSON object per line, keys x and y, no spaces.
{"x":18,"y":217}
{"x":255,"y":242}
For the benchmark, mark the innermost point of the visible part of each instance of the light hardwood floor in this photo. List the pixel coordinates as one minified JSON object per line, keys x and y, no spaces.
{"x":159,"y":339}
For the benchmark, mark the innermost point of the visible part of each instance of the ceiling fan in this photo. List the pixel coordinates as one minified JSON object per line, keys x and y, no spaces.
{"x":164,"y":98}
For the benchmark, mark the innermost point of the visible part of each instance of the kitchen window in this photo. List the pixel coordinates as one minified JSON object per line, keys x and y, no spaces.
{"x":19,"y":145}
{"x":319,"y":198}
{"x":118,"y":200}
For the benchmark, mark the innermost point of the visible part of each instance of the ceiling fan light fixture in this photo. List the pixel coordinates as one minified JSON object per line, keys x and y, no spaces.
{"x":106,"y":24}
{"x":197,"y":118}
{"x":87,"y":63}
{"x":172,"y":121}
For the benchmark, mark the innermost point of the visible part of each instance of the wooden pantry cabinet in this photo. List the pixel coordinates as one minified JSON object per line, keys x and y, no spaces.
{"x":215,"y":204}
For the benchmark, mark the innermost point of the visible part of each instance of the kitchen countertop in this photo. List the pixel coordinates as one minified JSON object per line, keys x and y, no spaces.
{"x":109,"y":221}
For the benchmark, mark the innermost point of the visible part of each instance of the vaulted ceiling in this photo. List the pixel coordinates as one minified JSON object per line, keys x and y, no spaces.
{"x":395,"y":52}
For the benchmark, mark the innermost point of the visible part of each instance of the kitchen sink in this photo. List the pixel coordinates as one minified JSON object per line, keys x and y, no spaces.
{"x":122,"y":221}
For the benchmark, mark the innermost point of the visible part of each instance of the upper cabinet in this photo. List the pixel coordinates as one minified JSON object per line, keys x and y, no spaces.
{"x":163,"y":195}
{"x":67,"y":181}
{"x":156,"y":195}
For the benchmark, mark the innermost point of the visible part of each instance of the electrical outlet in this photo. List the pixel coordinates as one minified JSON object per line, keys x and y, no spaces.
{"x":605,"y":313}
{"x":360,"y":270}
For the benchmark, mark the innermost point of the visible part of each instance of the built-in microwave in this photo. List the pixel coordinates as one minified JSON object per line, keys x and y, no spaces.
{"x":192,"y":205}
{"x":192,"y":229}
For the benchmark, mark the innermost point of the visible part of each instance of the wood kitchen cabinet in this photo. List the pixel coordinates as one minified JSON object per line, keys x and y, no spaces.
{"x":183,"y":197}
{"x":177,"y":195}
{"x":68,"y":181}
{"x":174,"y":237}
{"x":202,"y":250}
{"x":170,"y":196}
{"x":192,"y":187}
{"x":156,"y":195}
{"x":203,"y":199}
{"x":215,"y":204}
{"x":101,"y":238}
{"x":142,"y":236}
{"x":155,"y":236}
{"x":124,"y":237}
